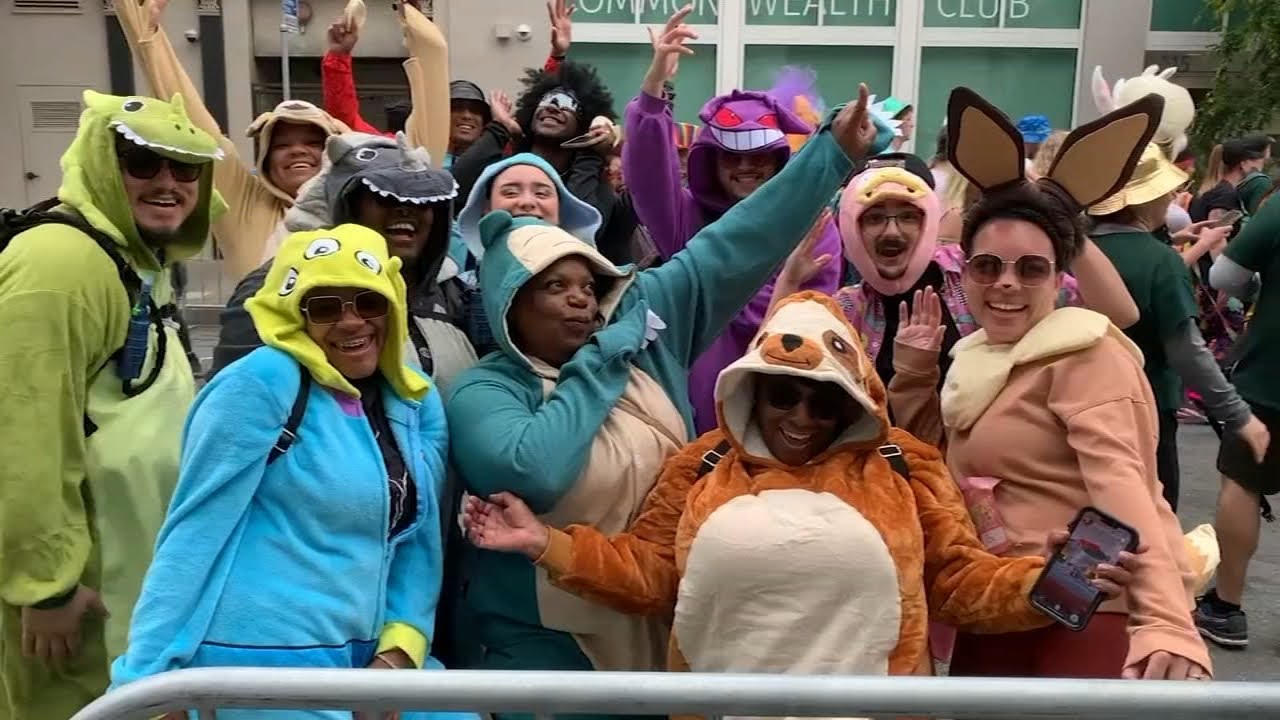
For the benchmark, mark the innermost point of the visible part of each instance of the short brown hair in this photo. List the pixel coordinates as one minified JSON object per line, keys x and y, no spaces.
{"x":1037,"y":204}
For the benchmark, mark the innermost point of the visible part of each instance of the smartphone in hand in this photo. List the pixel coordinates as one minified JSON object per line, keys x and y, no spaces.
{"x":1229,"y":218}
{"x":1065,"y":591}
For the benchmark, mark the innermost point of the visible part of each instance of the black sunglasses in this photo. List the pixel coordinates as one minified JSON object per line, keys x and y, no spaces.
{"x":784,"y":393}
{"x":1032,"y":270}
{"x":145,"y":165}
{"x":329,"y":309}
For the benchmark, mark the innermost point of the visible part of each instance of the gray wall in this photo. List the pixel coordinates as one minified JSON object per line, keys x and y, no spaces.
{"x":1115,"y":37}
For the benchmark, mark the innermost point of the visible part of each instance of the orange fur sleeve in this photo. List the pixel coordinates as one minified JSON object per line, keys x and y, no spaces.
{"x":633,"y":572}
{"x":967,"y":586}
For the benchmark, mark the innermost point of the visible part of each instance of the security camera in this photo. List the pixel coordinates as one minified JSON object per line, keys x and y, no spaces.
{"x":524,"y":32}
{"x":191,"y":36}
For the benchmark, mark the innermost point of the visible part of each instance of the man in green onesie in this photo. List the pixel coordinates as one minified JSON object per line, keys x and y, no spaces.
{"x":95,"y":392}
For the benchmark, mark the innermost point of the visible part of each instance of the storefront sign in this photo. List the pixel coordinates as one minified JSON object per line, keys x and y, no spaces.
{"x":1014,"y":13}
{"x":825,"y":12}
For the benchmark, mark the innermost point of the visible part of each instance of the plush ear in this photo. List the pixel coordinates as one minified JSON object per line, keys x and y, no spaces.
{"x":1097,"y":158}
{"x":983,"y":144}
{"x":1102,"y":97}
{"x":495,"y":226}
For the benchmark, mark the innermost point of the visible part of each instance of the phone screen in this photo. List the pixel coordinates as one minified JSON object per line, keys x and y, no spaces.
{"x":1065,"y":590}
{"x":1231,"y":217}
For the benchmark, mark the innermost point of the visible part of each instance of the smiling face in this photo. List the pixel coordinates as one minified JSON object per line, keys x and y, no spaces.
{"x":349,"y":325}
{"x":162,"y":193}
{"x":1010,"y":278}
{"x":294,"y":155}
{"x":405,"y":226}
{"x":798,"y":418}
{"x":525,"y":191}
{"x":556,"y":118}
{"x":890,"y":231}
{"x":556,"y":311}
{"x":466,"y":121}
{"x":741,"y":174}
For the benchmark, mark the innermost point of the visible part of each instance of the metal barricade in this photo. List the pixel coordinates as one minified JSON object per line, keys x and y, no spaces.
{"x":711,"y":695}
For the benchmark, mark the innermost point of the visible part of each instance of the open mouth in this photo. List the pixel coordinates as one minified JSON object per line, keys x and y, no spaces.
{"x":465,"y":127}
{"x":403,"y":230}
{"x":1005,"y":309}
{"x":795,"y":439}
{"x":301,"y":166}
{"x":745,"y":140}
{"x":891,"y":249}
{"x":354,"y":346}
{"x":747,"y":178}
{"x":163,"y":203}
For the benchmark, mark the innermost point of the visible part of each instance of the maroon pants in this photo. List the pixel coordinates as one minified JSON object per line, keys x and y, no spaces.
{"x":1097,"y":652}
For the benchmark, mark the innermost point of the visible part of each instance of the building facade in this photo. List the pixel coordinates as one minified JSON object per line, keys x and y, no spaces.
{"x":1026,"y":55}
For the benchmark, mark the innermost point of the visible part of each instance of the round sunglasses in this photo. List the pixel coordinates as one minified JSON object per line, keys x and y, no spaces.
{"x":145,"y":165}
{"x":329,"y":309}
{"x":1031,"y":270}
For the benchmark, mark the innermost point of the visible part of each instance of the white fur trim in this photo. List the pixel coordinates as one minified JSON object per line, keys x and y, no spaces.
{"x":412,"y":200}
{"x":129,"y":134}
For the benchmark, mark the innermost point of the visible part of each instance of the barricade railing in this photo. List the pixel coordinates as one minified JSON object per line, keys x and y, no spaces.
{"x":543,"y":694}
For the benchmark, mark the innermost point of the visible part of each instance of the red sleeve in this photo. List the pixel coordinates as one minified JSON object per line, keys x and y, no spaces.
{"x":339,"y":87}
{"x":553,"y":64}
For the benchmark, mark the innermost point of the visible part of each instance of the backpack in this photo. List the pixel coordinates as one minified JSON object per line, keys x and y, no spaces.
{"x":14,"y":222}
{"x":889,"y":452}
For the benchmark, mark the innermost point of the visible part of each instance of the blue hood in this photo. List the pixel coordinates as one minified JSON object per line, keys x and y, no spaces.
{"x":576,"y":217}
{"x":516,"y":249}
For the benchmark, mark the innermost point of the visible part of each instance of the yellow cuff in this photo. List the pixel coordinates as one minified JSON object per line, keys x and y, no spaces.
{"x":405,"y":637}
{"x":557,"y":559}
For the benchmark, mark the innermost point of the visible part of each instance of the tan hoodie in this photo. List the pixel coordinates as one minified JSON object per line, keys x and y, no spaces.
{"x":256,"y":208}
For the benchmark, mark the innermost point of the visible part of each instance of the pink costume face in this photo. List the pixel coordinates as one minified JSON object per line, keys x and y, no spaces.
{"x":892,"y":255}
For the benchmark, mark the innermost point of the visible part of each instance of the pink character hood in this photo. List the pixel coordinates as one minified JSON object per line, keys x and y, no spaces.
{"x":870,"y":188}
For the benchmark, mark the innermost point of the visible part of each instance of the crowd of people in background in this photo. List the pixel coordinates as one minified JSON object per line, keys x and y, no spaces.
{"x":556,"y":382}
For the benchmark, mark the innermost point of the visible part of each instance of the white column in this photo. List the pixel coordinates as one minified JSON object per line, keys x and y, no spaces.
{"x":730,"y":52}
{"x":906,"y":57}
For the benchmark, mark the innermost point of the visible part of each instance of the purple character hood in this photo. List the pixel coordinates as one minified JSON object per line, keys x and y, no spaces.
{"x":744,"y":121}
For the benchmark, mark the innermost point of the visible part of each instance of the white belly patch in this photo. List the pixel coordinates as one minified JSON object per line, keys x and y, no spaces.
{"x":788,"y":581}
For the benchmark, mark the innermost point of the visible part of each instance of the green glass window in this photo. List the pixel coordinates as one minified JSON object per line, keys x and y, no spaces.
{"x":623,"y":66}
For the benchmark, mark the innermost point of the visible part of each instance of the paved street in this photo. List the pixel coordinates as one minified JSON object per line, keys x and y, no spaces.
{"x":1199,"y":447}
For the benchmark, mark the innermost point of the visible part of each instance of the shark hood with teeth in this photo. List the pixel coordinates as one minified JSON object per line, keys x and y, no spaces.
{"x":806,"y":336}
{"x":347,"y":256}
{"x":390,"y":168}
{"x":91,"y":175}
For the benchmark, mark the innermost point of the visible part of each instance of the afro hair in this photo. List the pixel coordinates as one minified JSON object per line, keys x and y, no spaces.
{"x":594,"y":98}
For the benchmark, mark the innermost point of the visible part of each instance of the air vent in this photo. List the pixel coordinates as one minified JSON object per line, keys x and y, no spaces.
{"x":58,"y":7}
{"x":55,"y":115}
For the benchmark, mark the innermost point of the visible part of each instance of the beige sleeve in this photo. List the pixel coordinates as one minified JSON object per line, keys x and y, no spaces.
{"x":428,"y":72}
{"x":252,"y":212}
{"x":913,"y":393}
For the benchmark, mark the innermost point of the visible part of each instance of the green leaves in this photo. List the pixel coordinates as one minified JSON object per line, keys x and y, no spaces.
{"x":1245,"y":98}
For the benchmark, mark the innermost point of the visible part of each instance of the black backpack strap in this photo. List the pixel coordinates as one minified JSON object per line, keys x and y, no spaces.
{"x":896,"y":459}
{"x":290,"y":432}
{"x":712,"y":457}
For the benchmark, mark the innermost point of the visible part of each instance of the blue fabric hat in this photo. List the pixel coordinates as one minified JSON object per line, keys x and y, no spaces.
{"x":1035,"y":128}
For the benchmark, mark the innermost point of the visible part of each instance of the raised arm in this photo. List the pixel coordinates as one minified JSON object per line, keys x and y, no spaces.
{"x":650,"y":160}
{"x":727,"y":262}
{"x":337,"y":81}
{"x":428,"y":71}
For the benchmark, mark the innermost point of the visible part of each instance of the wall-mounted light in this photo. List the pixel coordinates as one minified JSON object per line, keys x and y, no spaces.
{"x":502,"y":31}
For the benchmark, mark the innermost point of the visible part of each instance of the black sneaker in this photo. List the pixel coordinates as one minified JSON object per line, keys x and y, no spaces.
{"x":1226,"y":628}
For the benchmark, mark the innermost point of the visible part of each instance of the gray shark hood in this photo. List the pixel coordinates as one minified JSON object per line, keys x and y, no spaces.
{"x":390,"y":168}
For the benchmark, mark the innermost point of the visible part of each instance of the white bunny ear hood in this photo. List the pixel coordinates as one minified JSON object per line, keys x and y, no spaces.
{"x":1179,"y":108}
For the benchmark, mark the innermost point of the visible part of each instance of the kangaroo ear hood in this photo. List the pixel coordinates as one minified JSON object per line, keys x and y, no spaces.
{"x":871,"y":188}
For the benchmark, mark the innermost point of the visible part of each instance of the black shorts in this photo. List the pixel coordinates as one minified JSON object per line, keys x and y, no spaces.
{"x":1235,"y":459}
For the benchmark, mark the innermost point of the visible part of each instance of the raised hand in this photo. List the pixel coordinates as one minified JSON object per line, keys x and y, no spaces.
{"x":853,"y":128}
{"x":923,"y":329}
{"x":667,"y":49}
{"x":342,"y":37}
{"x":503,"y":111}
{"x":802,"y":266}
{"x":506,"y":524}
{"x":561,"y":14}
{"x":155,"y":12}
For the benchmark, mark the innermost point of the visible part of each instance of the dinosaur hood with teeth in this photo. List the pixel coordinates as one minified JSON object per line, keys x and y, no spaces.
{"x":746,"y":122}
{"x":91,"y":177}
{"x":392,"y":169}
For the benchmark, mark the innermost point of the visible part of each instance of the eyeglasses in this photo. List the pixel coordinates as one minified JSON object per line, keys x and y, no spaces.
{"x":785,"y":394}
{"x":329,"y":309}
{"x":1031,"y":270}
{"x":145,"y":165}
{"x":878,"y":220}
